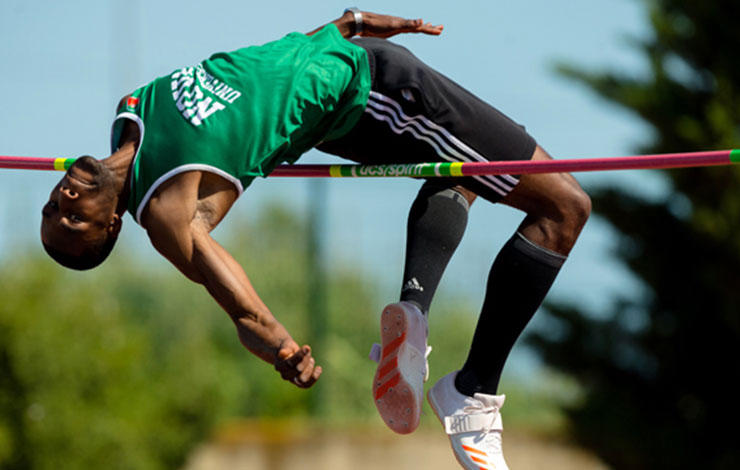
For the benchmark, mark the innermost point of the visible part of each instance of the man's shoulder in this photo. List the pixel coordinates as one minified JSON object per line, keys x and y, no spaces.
{"x":122,"y":102}
{"x":188,"y":195}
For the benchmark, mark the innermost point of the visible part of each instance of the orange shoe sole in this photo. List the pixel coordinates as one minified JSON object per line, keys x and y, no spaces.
{"x":398,"y":385}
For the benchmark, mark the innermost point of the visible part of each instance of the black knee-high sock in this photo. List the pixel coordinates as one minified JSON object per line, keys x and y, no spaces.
{"x":436,"y":224}
{"x":520,"y":278}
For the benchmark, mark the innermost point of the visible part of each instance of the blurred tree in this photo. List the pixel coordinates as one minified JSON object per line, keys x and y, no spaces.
{"x":83,"y":386}
{"x":657,"y":372}
{"x":131,"y":366}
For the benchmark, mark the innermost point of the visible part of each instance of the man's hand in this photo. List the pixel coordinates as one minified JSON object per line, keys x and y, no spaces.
{"x":381,"y":26}
{"x":296,"y":365}
{"x":385,"y":26}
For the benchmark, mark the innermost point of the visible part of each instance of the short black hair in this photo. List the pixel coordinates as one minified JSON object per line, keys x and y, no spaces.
{"x":93,"y":255}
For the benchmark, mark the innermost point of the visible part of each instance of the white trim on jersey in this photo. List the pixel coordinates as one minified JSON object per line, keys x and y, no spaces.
{"x":183,"y":169}
{"x":446,"y":145}
{"x":138,"y":121}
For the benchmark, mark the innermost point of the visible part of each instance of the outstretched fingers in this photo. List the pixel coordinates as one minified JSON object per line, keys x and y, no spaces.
{"x":418,"y":26}
{"x":385,"y":26}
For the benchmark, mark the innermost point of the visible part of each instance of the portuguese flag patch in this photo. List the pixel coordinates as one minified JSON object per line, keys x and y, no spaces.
{"x":132,"y":102}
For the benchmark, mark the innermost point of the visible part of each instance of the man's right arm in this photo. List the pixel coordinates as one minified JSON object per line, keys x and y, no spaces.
{"x":181,"y":234}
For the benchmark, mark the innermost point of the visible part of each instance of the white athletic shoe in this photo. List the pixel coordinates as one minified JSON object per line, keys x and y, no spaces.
{"x":398,"y":386}
{"x":473,"y":424}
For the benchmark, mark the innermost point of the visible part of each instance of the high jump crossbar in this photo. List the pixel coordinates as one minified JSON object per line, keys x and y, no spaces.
{"x":426,"y":170}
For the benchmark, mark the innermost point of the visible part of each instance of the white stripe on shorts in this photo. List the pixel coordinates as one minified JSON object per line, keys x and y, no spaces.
{"x":446,"y":145}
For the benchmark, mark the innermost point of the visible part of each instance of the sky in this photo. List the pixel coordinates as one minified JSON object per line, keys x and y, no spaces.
{"x":66,"y":65}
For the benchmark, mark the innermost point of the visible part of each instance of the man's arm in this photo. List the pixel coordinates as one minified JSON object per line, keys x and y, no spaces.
{"x":382,"y":26}
{"x":179,"y":227}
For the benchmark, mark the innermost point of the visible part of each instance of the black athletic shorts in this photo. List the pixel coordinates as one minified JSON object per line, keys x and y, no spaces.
{"x":415,"y":114}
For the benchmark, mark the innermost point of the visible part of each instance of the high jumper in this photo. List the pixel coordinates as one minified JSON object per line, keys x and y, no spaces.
{"x":185,"y":146}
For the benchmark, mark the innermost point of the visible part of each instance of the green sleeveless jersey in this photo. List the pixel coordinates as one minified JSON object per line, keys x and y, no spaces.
{"x":240,"y":114}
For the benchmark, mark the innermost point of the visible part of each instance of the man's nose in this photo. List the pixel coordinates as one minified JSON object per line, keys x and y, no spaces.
{"x":69,"y":193}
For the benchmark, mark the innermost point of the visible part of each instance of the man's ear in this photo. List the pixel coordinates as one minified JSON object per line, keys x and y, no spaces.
{"x":114,"y":225}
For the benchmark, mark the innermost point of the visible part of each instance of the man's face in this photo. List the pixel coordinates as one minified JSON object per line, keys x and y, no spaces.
{"x":81,"y":207}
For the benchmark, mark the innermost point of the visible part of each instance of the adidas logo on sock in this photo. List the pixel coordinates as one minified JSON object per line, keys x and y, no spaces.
{"x":412,"y":284}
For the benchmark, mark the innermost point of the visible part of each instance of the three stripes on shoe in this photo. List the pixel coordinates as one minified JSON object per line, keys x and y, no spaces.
{"x":478,"y":456}
{"x":398,"y":382}
{"x":391,"y":366}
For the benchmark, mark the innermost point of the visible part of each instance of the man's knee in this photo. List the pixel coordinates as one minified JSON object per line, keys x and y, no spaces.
{"x":561,"y":225}
{"x":578,"y":207}
{"x":437,"y":186}
{"x":573,"y":211}
{"x":466,"y":193}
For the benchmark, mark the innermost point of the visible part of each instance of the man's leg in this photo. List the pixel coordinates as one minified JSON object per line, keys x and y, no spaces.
{"x":520,"y":277}
{"x":523,"y":271}
{"x":436,"y":224}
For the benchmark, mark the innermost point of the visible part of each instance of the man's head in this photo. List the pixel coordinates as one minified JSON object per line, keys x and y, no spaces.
{"x":79,"y":223}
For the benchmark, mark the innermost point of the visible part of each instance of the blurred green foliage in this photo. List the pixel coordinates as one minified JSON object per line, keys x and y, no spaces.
{"x":85,"y":383}
{"x":656,"y":371}
{"x":130,"y":365}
